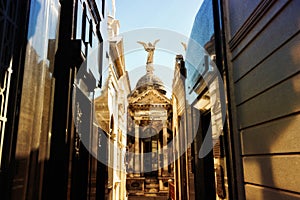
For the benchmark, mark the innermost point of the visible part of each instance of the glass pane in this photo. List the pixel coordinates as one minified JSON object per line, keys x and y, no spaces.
{"x":37,"y":83}
{"x":87,"y":30}
{"x":79,"y":20}
{"x":201,"y":45}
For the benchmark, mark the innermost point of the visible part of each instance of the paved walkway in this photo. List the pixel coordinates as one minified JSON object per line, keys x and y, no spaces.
{"x":147,"y":198}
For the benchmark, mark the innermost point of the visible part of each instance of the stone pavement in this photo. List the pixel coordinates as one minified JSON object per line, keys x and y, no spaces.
{"x":147,"y":198}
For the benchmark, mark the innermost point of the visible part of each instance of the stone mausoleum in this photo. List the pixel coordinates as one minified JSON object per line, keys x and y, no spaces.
{"x":149,"y":162}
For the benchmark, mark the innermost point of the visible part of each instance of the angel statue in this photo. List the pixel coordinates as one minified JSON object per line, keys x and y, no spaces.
{"x":150,"y":49}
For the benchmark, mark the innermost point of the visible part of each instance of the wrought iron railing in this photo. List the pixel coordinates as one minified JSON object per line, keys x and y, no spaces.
{"x":4,"y":94}
{"x":8,"y":30}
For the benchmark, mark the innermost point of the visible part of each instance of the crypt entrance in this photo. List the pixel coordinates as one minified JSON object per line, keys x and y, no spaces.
{"x":150,"y":145}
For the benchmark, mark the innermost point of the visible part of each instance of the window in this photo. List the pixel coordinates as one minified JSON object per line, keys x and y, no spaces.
{"x":79,"y":23}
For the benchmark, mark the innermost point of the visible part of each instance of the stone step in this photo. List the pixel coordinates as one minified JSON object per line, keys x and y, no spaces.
{"x":151,"y":180}
{"x":147,"y":198}
{"x":151,"y":185}
{"x":150,"y":195}
{"x":152,"y":190}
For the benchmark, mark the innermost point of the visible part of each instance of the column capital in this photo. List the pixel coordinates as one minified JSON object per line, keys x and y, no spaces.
{"x":136,"y":122}
{"x":165,"y":123}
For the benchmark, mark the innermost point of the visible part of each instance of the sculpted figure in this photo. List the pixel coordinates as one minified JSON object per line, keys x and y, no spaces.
{"x":150,"y":49}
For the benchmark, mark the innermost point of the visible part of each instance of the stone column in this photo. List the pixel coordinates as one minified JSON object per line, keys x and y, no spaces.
{"x":137,"y":150}
{"x":159,"y":162}
{"x":165,"y":148}
{"x":142,"y":157}
{"x":130,"y":160}
{"x":158,"y":157}
{"x":171,"y":158}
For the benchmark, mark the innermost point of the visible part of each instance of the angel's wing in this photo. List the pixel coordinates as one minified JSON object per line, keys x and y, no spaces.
{"x":156,"y":41}
{"x":184,"y":45}
{"x":142,"y":43}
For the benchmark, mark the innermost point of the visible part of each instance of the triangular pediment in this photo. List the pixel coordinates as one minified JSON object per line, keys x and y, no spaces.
{"x":101,"y":108}
{"x":149,"y":97}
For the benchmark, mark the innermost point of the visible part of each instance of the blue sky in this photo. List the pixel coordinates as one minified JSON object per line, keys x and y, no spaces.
{"x":177,"y":16}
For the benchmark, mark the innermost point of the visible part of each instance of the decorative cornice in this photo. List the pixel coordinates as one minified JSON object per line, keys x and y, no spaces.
{"x":252,"y":20}
{"x":155,"y":93}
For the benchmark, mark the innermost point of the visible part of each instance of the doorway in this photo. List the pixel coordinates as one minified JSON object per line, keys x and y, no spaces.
{"x":150,"y":158}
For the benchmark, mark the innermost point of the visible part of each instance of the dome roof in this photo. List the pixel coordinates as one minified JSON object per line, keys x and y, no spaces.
{"x":149,"y":79}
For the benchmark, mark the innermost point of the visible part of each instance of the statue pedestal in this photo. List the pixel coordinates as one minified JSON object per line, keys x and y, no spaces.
{"x":149,"y":68}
